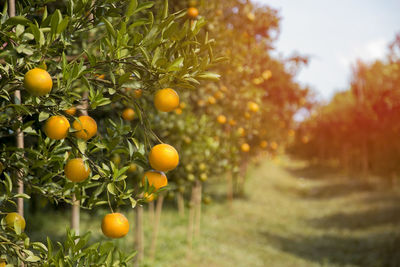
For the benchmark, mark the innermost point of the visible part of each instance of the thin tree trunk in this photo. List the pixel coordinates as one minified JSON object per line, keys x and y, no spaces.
{"x":156,"y":226}
{"x":230,"y":187}
{"x":139,"y":235}
{"x":191,"y":220}
{"x":151,"y":212}
{"x":75,"y":211}
{"x":181,"y":204}
{"x":198,"y":209}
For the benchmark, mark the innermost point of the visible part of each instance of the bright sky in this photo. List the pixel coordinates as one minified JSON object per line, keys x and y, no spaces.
{"x":334,"y":34}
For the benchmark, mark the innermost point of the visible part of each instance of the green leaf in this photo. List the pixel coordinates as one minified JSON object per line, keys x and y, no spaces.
{"x":8,"y":182}
{"x":110,"y":27}
{"x":176,"y":65}
{"x":111,"y":188}
{"x":22,"y":195}
{"x":43,"y":116}
{"x":131,"y":8}
{"x":209,"y":76}
{"x":18,"y":20}
{"x":63,"y":25}
{"x":143,"y":6}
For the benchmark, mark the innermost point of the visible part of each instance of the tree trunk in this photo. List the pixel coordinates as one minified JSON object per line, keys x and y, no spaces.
{"x":139,"y":235}
{"x":181,"y":204}
{"x":230,"y":187}
{"x":156,"y":225}
{"x":191,"y":220}
{"x":198,"y":209}
{"x":151,"y":212}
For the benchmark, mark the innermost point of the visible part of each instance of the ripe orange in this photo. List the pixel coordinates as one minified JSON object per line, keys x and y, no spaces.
{"x":221,"y":119}
{"x":291,"y":133}
{"x":182,"y":105}
{"x":56,"y":127}
{"x":71,"y":111}
{"x":86,"y":127}
{"x":218,"y":95}
{"x":223,"y":88}
{"x":263,"y":144}
{"x":274,"y":145}
{"x":193,"y":12}
{"x":132,"y":168}
{"x":241,"y":131}
{"x":247,"y":115}
{"x":155,"y":179}
{"x":100,"y":76}
{"x":137,"y":93}
{"x":166,"y":100}
{"x":253,"y":107}
{"x":14,"y":217}
{"x":305,"y":139}
{"x":38,"y":82}
{"x":266,"y":74}
{"x":148,"y":197}
{"x":115,"y":225}
{"x":251,"y":16}
{"x":245,"y":147}
{"x":201,"y":103}
{"x":128,"y":114}
{"x":232,"y":122}
{"x":76,"y":171}
{"x":178,"y":111}
{"x":3,"y":263}
{"x":211,"y":100}
{"x":163,"y":157}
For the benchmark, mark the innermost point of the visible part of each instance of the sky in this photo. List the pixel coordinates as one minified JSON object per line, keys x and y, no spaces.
{"x":334,"y":34}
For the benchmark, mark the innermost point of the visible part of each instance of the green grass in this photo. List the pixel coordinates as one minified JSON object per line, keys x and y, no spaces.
{"x":293,"y":215}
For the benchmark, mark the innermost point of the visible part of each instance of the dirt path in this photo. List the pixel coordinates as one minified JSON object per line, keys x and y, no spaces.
{"x":296,"y":215}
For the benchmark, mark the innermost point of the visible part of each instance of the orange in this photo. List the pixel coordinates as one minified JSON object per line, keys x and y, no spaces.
{"x":71,"y":111}
{"x":3,"y":263}
{"x":305,"y":139}
{"x":221,"y":119}
{"x":128,"y":114}
{"x":266,"y":74}
{"x":201,"y":103}
{"x":232,"y":122}
{"x":76,"y":171}
{"x":14,"y":217}
{"x":223,"y":88}
{"x":253,"y":107}
{"x":274,"y":145}
{"x":251,"y":16}
{"x":166,"y":100}
{"x":193,"y":12}
{"x":56,"y":127}
{"x":148,"y":197}
{"x":116,"y":159}
{"x":182,"y":105}
{"x":86,"y":127}
{"x":100,"y":76}
{"x":203,"y":177}
{"x":38,"y":82}
{"x":155,"y":179}
{"x":163,"y":157}
{"x":291,"y":133}
{"x":245,"y":147}
{"x":132,"y":168}
{"x":115,"y":225}
{"x":178,"y":111}
{"x":263,"y":144}
{"x":137,"y":93}
{"x":211,"y":100}
{"x":218,"y":95}
{"x":241,"y":131}
{"x":247,"y":115}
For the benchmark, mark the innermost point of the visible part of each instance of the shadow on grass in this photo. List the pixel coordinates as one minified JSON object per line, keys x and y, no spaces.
{"x":313,"y":171}
{"x":389,"y":215}
{"x":368,"y":250}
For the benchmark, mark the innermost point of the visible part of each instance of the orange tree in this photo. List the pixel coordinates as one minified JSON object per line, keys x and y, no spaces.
{"x":251,"y":108}
{"x":358,"y":128}
{"x":70,"y":58}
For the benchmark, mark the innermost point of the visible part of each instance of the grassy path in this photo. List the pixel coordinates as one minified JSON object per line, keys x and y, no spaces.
{"x":294,"y":215}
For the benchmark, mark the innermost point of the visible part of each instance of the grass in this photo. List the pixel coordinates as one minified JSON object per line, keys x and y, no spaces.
{"x":294,"y":215}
